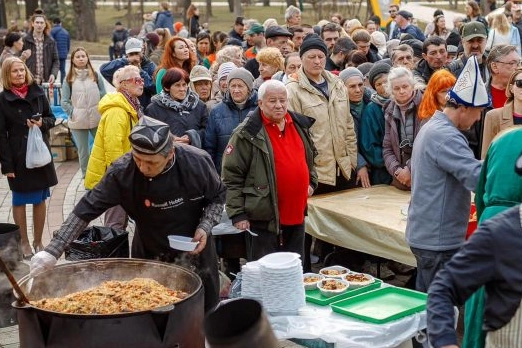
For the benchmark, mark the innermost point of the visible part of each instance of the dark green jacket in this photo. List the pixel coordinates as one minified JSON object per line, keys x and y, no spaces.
{"x":249,"y":174}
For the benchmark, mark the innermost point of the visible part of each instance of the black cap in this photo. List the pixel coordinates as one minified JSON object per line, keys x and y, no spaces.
{"x":275,"y":31}
{"x":405,"y":14}
{"x":149,"y":136}
{"x":312,"y":41}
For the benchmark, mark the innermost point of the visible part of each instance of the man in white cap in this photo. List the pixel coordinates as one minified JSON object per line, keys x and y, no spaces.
{"x":444,"y":171}
{"x":134,"y":56}
{"x":166,"y":188}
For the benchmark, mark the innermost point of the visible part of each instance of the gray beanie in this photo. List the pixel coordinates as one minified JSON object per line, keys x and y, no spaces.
{"x":225,"y":69}
{"x":242,"y":74}
{"x":350,"y":72}
{"x":377,"y":70}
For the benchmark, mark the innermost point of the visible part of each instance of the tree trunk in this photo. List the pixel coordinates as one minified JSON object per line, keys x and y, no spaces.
{"x":266,"y":3}
{"x":30,"y":6}
{"x":238,"y":10}
{"x":85,"y":19}
{"x":291,"y":3}
{"x":208,"y":12}
{"x":231,"y":5}
{"x":3,"y":17}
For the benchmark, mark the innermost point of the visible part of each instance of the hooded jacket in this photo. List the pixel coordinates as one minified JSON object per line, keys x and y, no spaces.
{"x":333,"y":131}
{"x":223,"y":119}
{"x":249,"y":172}
{"x":164,"y":19}
{"x":112,"y":138}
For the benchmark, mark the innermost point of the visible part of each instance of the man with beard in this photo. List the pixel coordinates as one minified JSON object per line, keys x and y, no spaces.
{"x":474,"y":36}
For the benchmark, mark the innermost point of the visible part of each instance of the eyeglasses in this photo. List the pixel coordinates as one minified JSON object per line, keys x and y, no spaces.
{"x":518,"y":83}
{"x":512,"y":63}
{"x":136,"y":80}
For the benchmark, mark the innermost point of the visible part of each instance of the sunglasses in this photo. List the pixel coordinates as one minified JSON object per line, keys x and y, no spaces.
{"x":518,"y":83}
{"x":136,"y":80}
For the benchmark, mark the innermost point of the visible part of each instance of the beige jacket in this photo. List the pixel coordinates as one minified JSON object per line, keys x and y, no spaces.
{"x":495,"y":121}
{"x":333,"y":132}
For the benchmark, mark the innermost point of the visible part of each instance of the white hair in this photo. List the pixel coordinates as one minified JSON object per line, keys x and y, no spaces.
{"x":291,"y":11}
{"x":270,"y":84}
{"x":397,"y":73}
{"x":123,"y":74}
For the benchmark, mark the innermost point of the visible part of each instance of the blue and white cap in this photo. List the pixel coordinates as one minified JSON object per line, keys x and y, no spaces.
{"x":470,"y":90}
{"x":149,"y":136}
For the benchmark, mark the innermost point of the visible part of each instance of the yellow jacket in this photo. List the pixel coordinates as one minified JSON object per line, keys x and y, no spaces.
{"x":333,"y":132}
{"x":112,"y":138}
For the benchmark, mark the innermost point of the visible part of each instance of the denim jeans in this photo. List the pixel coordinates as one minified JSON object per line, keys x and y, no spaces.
{"x":428,"y":264}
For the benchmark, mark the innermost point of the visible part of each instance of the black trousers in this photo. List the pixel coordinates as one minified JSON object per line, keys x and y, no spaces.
{"x":341,"y":183}
{"x":291,"y":238}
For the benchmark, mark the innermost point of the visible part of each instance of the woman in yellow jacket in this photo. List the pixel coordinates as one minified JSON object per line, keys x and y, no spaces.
{"x":119,"y":111}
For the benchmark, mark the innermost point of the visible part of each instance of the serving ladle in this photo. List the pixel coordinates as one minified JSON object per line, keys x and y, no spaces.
{"x":16,"y":287}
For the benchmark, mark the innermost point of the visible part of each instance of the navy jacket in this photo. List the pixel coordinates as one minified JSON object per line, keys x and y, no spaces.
{"x":491,"y":257}
{"x":223,"y":119}
{"x":63,"y":40}
{"x":165,"y":19}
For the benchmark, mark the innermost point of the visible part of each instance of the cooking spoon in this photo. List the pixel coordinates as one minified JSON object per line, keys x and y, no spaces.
{"x":13,"y":282}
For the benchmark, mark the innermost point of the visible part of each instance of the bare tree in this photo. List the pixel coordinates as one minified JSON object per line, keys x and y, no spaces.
{"x":30,"y":6}
{"x":85,"y":19}
{"x":208,"y":12}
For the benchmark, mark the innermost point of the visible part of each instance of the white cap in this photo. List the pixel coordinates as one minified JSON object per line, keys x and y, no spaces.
{"x":133,"y":45}
{"x":470,"y":90}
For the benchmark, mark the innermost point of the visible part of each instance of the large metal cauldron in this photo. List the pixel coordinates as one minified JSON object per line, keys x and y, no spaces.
{"x":179,"y":325}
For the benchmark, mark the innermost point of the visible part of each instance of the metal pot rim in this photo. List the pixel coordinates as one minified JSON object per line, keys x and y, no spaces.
{"x":158,"y":310}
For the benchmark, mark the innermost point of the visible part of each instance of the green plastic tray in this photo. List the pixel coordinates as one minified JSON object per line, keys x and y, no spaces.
{"x":316,"y":297}
{"x":382,"y":305}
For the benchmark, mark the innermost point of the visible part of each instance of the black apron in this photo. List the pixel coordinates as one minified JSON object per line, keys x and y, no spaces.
{"x":165,"y":206}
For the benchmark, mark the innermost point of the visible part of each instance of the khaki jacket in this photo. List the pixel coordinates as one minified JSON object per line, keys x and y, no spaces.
{"x":495,"y":121}
{"x":333,"y":132}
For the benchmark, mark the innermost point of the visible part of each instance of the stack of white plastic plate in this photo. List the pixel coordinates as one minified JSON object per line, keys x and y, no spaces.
{"x":251,"y":281}
{"x":282,"y":283}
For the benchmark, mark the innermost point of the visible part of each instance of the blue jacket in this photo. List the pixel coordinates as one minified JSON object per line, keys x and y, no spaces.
{"x":165,"y":19}
{"x":147,"y":70}
{"x":63,"y":40}
{"x":223,"y":119}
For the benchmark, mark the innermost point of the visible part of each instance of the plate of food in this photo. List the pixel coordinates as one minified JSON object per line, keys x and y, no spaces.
{"x":310,"y":280}
{"x":357,"y":280}
{"x":332,"y":286}
{"x":334,"y":271}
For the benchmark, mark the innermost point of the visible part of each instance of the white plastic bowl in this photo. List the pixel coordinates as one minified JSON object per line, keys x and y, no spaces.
{"x":279,"y":260}
{"x":311,"y":285}
{"x":331,"y":293}
{"x":358,"y":284}
{"x":182,"y":243}
{"x":340,"y":269}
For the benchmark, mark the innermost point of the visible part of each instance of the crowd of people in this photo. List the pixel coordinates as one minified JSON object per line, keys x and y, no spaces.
{"x":256,"y":120}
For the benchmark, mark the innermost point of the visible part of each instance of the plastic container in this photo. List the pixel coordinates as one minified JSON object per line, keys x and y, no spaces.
{"x":182,"y":243}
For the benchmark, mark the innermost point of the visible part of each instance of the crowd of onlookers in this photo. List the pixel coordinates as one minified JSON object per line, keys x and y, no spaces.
{"x":357,"y":94}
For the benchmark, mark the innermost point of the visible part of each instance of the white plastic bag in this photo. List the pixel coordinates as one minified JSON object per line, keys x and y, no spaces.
{"x":38,"y":155}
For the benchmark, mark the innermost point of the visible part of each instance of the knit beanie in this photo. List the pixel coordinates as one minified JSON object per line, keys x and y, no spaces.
{"x":243,"y":75}
{"x":365,"y":68}
{"x":225,"y":69}
{"x":312,"y":41}
{"x":377,"y":70}
{"x":350,"y":72}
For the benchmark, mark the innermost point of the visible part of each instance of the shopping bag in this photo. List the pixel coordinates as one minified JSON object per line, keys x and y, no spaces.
{"x":38,"y":155}
{"x":97,"y":242}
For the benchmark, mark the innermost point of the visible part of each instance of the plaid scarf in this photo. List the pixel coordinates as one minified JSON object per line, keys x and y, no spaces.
{"x":134,"y":101}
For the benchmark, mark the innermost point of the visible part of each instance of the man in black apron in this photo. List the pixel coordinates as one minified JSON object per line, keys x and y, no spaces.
{"x":167,"y":189}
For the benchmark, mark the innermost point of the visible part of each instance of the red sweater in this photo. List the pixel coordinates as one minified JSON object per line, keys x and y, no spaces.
{"x":291,"y":170}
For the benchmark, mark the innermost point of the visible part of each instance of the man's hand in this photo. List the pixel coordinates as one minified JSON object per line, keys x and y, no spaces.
{"x":51,"y":79}
{"x":42,"y":262}
{"x":10,"y":175}
{"x":242,"y":225}
{"x":201,"y":237}
{"x":310,"y":191}
{"x":363,"y":177}
{"x":183,"y":140}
